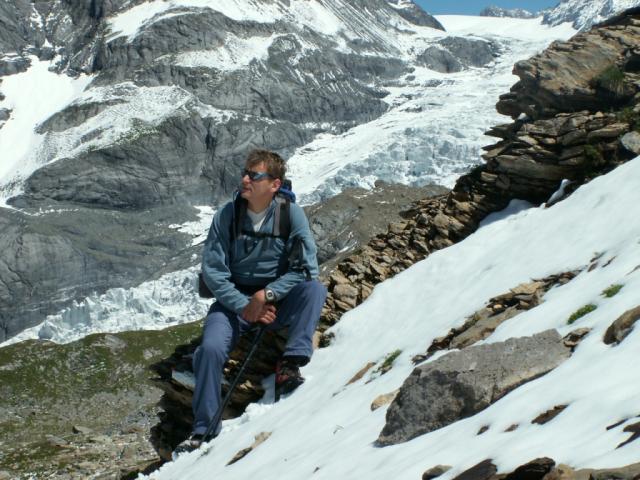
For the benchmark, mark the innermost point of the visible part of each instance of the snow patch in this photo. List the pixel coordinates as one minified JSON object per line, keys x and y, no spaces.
{"x":31,"y":104}
{"x":200,"y":228}
{"x":171,"y":300}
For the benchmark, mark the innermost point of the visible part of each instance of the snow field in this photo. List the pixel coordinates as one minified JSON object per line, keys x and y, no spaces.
{"x":434,"y":129}
{"x":327,"y":425}
{"x":33,"y":96}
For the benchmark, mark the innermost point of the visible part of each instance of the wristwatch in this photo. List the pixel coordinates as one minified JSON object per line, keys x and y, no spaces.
{"x":269,"y":295}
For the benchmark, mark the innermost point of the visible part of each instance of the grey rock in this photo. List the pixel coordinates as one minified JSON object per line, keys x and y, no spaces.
{"x":494,"y":11}
{"x":5,"y":114}
{"x":79,"y":429}
{"x":453,"y":54}
{"x":440,"y":60}
{"x":461,"y":384}
{"x":14,"y":65}
{"x":415,"y":14}
{"x":631,"y":141}
{"x":56,"y":441}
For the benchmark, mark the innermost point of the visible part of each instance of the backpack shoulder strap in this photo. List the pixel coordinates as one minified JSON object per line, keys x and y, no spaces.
{"x":239,"y":211}
{"x":282,"y":219}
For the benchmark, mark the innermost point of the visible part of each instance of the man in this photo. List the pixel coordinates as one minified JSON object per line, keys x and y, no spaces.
{"x":258,"y":276}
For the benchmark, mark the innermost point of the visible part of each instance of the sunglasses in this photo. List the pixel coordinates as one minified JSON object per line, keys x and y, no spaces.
{"x":255,"y":176}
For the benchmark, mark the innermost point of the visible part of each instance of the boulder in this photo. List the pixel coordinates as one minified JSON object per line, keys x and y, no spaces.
{"x":435,"y":472}
{"x":631,"y":141}
{"x":533,"y":470}
{"x":622,"y":326}
{"x":463,"y":383}
{"x":571,"y":76}
{"x":484,"y":470}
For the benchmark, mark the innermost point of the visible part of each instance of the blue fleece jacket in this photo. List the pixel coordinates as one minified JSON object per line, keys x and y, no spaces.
{"x":253,"y":261}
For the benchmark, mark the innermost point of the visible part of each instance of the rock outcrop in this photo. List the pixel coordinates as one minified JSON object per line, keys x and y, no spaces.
{"x":593,"y":71}
{"x":463,"y":383}
{"x":484,"y":322}
{"x":494,"y":11}
{"x":454,"y":54}
{"x":622,"y":326}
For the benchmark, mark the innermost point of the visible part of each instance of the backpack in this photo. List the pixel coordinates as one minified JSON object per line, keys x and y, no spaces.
{"x":281,"y":225}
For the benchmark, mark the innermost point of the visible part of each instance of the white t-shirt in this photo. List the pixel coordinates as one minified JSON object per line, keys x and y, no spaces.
{"x":257,"y":219}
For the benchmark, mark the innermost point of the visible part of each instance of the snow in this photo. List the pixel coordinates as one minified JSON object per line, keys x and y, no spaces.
{"x":126,"y":110}
{"x":31,"y":104}
{"x":199,"y":228}
{"x":170,"y":300}
{"x":233,"y":54}
{"x":130,"y":22}
{"x":428,"y":134}
{"x":326,"y":430}
{"x":589,"y":13}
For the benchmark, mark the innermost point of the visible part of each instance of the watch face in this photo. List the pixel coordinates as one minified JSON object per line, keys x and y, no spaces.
{"x":270,"y":295}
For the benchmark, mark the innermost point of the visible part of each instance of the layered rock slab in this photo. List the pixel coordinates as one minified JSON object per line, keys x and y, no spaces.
{"x":463,"y":383}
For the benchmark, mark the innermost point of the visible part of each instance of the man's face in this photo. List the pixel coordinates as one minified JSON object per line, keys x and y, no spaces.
{"x":260,"y":191}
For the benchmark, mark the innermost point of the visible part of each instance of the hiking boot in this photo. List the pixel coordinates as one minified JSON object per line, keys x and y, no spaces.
{"x":288,"y":376}
{"x":189,"y":445}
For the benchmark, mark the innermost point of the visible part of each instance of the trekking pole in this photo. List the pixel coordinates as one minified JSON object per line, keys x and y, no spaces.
{"x":208,"y":434}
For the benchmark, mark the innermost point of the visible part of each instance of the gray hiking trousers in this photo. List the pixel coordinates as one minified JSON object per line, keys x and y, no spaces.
{"x":299,"y":310}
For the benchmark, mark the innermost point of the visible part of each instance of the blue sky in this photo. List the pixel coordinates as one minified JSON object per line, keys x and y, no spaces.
{"x":473,"y":7}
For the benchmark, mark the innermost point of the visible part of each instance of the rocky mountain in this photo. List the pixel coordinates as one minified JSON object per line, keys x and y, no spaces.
{"x":585,"y":14}
{"x":495,"y":11}
{"x":165,"y":124}
{"x":557,"y":138}
{"x":412,"y":12}
{"x":504,"y":275}
{"x":154,"y":107}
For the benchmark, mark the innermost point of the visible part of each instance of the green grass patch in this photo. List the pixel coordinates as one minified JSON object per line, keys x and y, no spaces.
{"x":387,"y":363}
{"x":612,"y":290}
{"x":611,"y":79}
{"x":581,"y":312}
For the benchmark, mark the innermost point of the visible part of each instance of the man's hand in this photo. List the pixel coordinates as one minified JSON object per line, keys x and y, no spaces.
{"x":258,"y":310}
